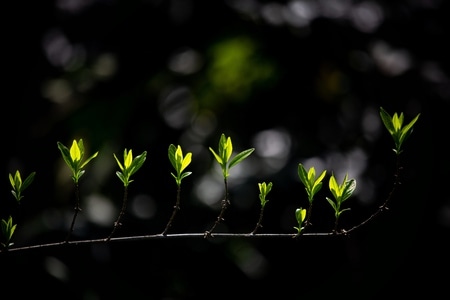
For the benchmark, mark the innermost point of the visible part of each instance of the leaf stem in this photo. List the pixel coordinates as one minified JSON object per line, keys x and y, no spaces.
{"x":225,"y":203}
{"x":384,"y":206}
{"x":117,"y":224}
{"x":259,"y":224}
{"x":77,"y":209}
{"x":176,"y":208}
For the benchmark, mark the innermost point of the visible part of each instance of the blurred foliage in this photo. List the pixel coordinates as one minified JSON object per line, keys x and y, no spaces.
{"x":235,"y":69}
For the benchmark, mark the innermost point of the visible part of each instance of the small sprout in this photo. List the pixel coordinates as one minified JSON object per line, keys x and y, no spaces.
{"x":130,"y":165}
{"x":300,"y":216}
{"x":74,"y":158}
{"x":312,"y":183}
{"x":224,"y":152}
{"x":19,"y":186}
{"x":223,"y":156}
{"x":179,"y":162}
{"x":8,"y":228}
{"x":340,"y":193}
{"x":264,"y":189}
{"x":395,"y":127}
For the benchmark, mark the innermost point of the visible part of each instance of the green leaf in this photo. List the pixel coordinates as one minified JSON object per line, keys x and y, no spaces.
{"x":172,"y":157}
{"x":186,"y":161}
{"x":316,"y":189}
{"x":75,"y":153}
{"x":303,"y":175}
{"x":89,"y":159}
{"x":65,"y":154}
{"x":228,"y":150}
{"x":240,"y":157}
{"x":345,"y":209}
{"x":185,"y":174}
{"x":28,"y":180}
{"x":218,"y":158}
{"x":127,"y":159}
{"x":334,"y":187}
{"x":320,"y":178}
{"x":407,"y":130}
{"x":317,"y":184}
{"x":223,"y":145}
{"x":349,"y":188}
{"x":387,"y":120}
{"x":331,"y":203}
{"x":300,"y":215}
{"x":118,"y":162}
{"x":121,"y":177}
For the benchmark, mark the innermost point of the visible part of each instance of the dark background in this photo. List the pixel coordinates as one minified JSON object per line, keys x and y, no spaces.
{"x":301,"y":81}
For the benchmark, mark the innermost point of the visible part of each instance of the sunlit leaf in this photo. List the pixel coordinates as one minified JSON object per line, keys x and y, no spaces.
{"x":240,"y":157}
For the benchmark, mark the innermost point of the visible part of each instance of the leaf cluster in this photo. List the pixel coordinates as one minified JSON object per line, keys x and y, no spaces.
{"x":130,"y":165}
{"x":223,"y":155}
{"x":341,"y":192}
{"x":179,"y":162}
{"x":394,"y":125}
{"x":19,"y":186}
{"x":74,"y":158}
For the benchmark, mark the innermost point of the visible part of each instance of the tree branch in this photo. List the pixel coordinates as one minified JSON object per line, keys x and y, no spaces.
{"x":166,"y":236}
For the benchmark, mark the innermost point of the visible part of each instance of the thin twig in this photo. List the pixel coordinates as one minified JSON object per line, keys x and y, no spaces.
{"x":176,"y":208}
{"x":167,"y":236}
{"x":225,"y":203}
{"x":259,"y":224}
{"x":117,"y":224}
{"x":384,"y":206}
{"x":77,"y":209}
